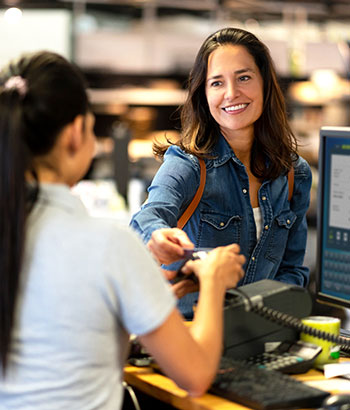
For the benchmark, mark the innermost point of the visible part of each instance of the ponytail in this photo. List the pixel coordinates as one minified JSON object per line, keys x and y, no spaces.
{"x":14,"y":160}
{"x":39,"y":94}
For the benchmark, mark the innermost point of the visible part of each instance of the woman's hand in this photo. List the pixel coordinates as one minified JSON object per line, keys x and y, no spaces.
{"x":224,"y":265}
{"x":167,"y":245}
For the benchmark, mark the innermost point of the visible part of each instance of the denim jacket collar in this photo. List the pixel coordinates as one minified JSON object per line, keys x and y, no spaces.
{"x":222,"y":153}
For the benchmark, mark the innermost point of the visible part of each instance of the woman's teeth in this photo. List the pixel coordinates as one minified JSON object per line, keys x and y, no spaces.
{"x":235,"y":107}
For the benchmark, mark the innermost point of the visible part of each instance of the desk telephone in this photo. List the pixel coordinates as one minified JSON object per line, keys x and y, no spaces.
{"x":252,"y":321}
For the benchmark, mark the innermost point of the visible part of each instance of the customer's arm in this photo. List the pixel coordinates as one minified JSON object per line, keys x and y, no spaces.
{"x":171,"y":191}
{"x":190,"y":357}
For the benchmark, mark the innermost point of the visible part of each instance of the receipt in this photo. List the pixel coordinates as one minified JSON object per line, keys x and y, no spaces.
{"x":336,"y":369}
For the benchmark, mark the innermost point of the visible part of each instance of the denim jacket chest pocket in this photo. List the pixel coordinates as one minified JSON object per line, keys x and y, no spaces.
{"x":278,"y":236}
{"x":218,"y":229}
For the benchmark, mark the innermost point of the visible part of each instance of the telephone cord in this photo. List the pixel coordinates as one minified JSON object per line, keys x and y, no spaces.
{"x":293,"y":322}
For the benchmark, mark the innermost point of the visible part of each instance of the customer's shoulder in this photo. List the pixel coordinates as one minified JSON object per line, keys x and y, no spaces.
{"x":302,"y":168}
{"x":175,"y":153}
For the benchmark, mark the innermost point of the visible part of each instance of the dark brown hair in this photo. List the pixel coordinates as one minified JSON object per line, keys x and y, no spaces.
{"x":39,"y":95}
{"x":274,"y":147}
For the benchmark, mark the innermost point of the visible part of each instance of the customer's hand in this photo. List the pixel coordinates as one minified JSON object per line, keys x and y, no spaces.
{"x":167,"y":245}
{"x":184,"y":287}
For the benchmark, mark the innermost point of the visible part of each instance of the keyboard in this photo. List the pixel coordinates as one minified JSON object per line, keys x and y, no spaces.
{"x":336,"y":272}
{"x":263,"y":389}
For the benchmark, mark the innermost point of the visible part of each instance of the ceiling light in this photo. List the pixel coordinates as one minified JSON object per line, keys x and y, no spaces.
{"x":13,"y":15}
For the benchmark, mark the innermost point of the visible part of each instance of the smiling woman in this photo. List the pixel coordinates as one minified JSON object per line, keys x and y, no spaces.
{"x":235,"y":119}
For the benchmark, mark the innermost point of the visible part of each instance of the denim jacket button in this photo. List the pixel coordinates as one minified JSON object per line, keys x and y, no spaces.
{"x":266,"y":227}
{"x":264,"y":198}
{"x":244,"y":191}
{"x":222,"y":223}
{"x":253,"y":258}
{"x":288,"y":221}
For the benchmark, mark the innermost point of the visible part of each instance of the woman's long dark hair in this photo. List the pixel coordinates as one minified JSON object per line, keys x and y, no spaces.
{"x":275,"y":146}
{"x":39,"y":94}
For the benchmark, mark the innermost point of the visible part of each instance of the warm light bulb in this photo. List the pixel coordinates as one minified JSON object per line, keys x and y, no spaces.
{"x":13,"y":15}
{"x":324,"y":78}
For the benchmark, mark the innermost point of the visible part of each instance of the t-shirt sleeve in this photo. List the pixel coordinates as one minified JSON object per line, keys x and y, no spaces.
{"x":135,"y":287}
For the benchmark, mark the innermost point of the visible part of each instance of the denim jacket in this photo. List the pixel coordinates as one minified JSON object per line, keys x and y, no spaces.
{"x":224,"y":214}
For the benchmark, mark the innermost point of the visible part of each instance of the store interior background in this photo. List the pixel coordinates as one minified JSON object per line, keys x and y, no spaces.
{"x":136,"y":55}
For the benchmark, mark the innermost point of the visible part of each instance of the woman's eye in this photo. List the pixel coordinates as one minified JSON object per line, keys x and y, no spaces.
{"x":244,"y":78}
{"x":215,"y":83}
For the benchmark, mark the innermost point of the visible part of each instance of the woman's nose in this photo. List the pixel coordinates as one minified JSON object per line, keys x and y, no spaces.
{"x":232,"y":90}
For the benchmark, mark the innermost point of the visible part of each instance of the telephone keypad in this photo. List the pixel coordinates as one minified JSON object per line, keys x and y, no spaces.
{"x":288,"y":357}
{"x":271,"y":361}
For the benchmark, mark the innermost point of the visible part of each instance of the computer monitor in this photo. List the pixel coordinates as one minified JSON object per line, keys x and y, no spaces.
{"x":333,"y":218}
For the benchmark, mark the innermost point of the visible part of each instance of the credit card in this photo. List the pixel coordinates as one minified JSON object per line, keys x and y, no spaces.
{"x":195,"y":253}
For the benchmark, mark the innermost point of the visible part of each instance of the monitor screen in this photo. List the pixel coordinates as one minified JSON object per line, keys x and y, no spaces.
{"x":333,"y":224}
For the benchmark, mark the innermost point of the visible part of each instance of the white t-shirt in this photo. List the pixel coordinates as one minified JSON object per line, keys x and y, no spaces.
{"x":258,"y":221}
{"x":86,"y":282}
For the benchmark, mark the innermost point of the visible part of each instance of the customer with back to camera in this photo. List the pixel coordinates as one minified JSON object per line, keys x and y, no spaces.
{"x":235,"y":118}
{"x":73,"y":287}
